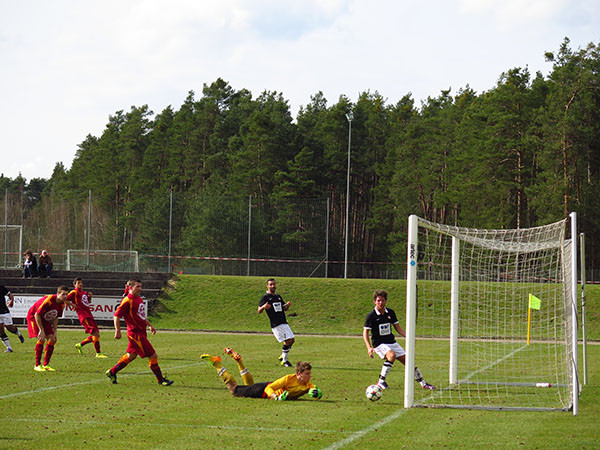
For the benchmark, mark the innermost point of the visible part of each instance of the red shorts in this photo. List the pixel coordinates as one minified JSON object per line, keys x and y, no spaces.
{"x":34,"y":330}
{"x":140,"y":345}
{"x":89,"y":325}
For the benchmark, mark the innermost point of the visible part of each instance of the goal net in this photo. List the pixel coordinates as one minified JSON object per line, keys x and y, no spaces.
{"x":491,"y":317}
{"x":11,"y":246}
{"x":103,"y":260}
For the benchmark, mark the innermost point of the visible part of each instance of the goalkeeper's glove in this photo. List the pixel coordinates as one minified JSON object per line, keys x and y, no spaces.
{"x":283,"y":396}
{"x":315,"y":392}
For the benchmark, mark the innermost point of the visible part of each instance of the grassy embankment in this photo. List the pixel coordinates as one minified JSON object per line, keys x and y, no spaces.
{"x":325,"y":306}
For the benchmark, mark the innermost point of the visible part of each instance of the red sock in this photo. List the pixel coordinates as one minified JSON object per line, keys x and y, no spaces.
{"x":121,"y":364}
{"x":87,"y":340}
{"x":39,"y":348}
{"x":96,"y":341}
{"x":155,"y":368}
{"x":48,"y":354}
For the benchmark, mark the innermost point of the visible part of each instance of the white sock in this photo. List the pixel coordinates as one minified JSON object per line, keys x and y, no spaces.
{"x":385,"y":369}
{"x":418,"y":376}
{"x":6,"y":343}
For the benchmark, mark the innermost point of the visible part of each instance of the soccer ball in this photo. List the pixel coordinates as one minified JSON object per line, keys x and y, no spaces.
{"x":373,"y":392}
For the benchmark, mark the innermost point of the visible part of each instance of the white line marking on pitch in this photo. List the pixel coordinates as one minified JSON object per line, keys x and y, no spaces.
{"x":99,"y":380}
{"x":498,"y":361}
{"x":361,"y":433}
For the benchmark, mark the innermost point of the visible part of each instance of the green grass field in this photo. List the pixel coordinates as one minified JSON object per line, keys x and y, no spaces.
{"x":77,"y":406}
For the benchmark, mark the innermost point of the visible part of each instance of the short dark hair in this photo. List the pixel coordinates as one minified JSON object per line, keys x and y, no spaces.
{"x":270,"y":279}
{"x":62,"y":288}
{"x":77,"y":279}
{"x":301,"y":366}
{"x":379,"y":293}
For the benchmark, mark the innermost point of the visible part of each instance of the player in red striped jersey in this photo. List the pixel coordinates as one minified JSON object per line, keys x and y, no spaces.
{"x":133,"y":310}
{"x":42,"y":322}
{"x":82,"y":302}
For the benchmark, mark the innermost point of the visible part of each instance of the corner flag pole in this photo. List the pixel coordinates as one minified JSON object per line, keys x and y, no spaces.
{"x":528,"y":319}
{"x":534,"y":303}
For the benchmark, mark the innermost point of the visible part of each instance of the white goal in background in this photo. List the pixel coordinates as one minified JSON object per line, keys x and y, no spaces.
{"x":103,"y":260}
{"x":11,"y":245}
{"x":470,"y":326}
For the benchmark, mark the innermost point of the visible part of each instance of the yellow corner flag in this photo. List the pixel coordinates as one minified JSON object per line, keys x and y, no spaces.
{"x":534,"y":302}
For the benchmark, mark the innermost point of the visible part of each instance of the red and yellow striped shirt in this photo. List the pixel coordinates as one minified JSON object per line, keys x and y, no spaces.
{"x":133,"y":311}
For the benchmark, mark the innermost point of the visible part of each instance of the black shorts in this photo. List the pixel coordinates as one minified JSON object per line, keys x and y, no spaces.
{"x":256,"y":390}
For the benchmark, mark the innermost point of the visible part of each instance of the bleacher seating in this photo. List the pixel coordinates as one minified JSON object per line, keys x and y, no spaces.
{"x":102,"y":284}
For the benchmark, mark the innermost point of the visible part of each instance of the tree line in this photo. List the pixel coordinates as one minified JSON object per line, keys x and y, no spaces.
{"x":524,"y":153}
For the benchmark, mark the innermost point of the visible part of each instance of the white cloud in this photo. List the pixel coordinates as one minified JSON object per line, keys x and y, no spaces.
{"x":68,"y":65}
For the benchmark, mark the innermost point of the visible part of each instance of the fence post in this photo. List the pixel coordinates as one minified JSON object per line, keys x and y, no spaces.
{"x":249,"y":230}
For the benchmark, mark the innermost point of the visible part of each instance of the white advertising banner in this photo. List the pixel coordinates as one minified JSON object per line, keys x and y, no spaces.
{"x":103,"y":308}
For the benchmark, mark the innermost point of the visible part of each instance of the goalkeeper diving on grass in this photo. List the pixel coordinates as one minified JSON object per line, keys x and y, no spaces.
{"x":288,"y":387}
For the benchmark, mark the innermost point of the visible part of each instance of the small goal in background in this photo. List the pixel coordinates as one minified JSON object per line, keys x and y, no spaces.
{"x":103,"y":260}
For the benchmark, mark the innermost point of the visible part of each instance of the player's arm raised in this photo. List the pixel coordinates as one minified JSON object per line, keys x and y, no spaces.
{"x":261,"y":308}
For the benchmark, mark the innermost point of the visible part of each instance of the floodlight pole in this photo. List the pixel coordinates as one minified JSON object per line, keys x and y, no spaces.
{"x":6,"y":229}
{"x":350,"y":117}
{"x":170,"y":228}
{"x":89,"y":228}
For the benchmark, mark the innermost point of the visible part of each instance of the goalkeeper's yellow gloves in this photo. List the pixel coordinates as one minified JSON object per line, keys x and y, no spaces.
{"x":315,"y":393}
{"x":282,"y":396}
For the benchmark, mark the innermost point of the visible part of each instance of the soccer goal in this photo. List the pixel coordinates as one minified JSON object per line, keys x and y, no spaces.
{"x":491,"y":316}
{"x":11,"y":245}
{"x":103,"y":260}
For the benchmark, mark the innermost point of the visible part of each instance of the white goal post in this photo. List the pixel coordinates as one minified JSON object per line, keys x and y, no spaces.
{"x":491,"y":316}
{"x":11,"y":245}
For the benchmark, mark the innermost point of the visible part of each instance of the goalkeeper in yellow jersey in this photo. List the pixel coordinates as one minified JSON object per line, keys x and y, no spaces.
{"x":288,"y":387}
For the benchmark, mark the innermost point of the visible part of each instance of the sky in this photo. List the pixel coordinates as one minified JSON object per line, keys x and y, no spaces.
{"x":67,"y":65}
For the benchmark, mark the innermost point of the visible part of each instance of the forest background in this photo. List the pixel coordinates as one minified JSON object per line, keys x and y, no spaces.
{"x":524,"y":153}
